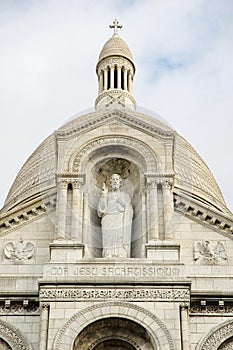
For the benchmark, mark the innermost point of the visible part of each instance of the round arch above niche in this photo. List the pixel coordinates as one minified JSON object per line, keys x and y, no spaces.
{"x":215,"y":339}
{"x":108,"y":147}
{"x":155,"y":329}
{"x":111,"y":333}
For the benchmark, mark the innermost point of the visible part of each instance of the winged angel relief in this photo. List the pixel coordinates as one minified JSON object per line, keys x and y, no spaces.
{"x":209,"y":254}
{"x":19,"y":251}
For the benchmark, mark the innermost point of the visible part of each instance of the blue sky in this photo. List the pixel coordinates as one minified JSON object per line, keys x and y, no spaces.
{"x":183,"y":51}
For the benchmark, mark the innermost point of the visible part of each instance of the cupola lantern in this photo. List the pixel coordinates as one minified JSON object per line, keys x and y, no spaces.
{"x":115,"y":70}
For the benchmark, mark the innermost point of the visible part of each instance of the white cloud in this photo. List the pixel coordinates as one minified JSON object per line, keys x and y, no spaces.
{"x":183,"y":53}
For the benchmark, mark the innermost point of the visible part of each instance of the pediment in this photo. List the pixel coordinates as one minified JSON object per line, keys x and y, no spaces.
{"x":116,"y":119}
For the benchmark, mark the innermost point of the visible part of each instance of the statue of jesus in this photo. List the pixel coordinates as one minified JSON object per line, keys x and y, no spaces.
{"x":116,"y":212}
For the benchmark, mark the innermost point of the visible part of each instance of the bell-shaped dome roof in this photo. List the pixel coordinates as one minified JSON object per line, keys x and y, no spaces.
{"x":38,"y":175}
{"x":115,"y":46}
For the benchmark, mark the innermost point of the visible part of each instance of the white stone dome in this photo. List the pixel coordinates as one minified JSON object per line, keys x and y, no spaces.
{"x":37,"y":177}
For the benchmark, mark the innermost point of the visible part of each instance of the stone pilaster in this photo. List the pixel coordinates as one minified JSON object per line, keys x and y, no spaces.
{"x":44,"y":326}
{"x":153,"y":227}
{"x":168,"y":207}
{"x":184,"y":317}
{"x":76,"y":225}
{"x":61,"y":208}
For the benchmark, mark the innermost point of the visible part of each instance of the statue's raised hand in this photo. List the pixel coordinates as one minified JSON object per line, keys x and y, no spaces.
{"x":104,"y":188}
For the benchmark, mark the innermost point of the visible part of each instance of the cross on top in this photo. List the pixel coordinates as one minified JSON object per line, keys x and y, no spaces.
{"x":115,"y":25}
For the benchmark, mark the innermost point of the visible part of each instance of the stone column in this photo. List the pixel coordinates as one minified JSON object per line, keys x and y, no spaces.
{"x":85,"y":218}
{"x":44,"y":322}
{"x":130,"y":82}
{"x":105,"y":79}
{"x":143,"y":218}
{"x":61,"y":211}
{"x":112,"y":78}
{"x":185,"y":335}
{"x":167,"y":207}
{"x":125,"y":79}
{"x":101,"y":82}
{"x":119,"y":77}
{"x":76,"y":233}
{"x":153,"y":209}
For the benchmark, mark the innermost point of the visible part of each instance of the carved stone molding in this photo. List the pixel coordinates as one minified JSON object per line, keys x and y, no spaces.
{"x":13,"y":337}
{"x":204,"y":216}
{"x":19,"y":307}
{"x":210,"y":308}
{"x":166,"y":180}
{"x":138,"y":149}
{"x":111,"y":62}
{"x":131,"y":118}
{"x":216,"y":336}
{"x":77,"y":180}
{"x":29,"y":215}
{"x":115,"y":294}
{"x":158,"y":332}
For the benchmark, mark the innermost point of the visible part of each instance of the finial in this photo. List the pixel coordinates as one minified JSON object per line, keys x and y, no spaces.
{"x":115,"y":25}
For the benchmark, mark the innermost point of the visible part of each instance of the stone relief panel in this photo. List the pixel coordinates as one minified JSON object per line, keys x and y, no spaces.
{"x":208,"y":253}
{"x":19,"y":251}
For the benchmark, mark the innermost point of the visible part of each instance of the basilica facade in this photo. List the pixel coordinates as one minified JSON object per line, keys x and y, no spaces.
{"x":115,"y":234}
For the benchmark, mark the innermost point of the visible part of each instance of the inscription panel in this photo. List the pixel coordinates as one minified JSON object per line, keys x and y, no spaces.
{"x":127,"y":271}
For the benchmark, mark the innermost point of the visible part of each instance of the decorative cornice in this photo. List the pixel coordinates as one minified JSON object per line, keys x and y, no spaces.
{"x":211,"y":307}
{"x":125,"y":117}
{"x":19,"y":307}
{"x":29,"y":214}
{"x":203,"y":215}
